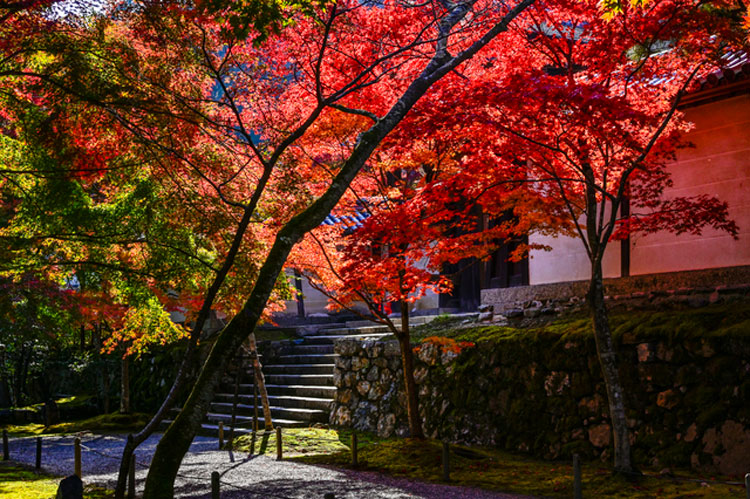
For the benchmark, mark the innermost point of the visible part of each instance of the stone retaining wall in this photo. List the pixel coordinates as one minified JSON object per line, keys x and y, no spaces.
{"x":688,"y":399}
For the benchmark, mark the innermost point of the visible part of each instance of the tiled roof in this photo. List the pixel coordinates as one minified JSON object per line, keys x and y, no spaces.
{"x":736,"y":66}
{"x":350,"y":222}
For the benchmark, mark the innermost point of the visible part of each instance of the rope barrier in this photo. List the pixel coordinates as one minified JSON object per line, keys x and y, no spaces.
{"x":62,"y":441}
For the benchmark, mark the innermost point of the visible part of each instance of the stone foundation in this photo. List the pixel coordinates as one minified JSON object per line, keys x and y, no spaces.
{"x":695,"y":288}
{"x":688,"y":397}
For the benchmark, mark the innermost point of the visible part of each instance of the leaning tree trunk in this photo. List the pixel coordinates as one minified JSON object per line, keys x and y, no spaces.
{"x":607,"y":354}
{"x":410,"y":385}
{"x":260,"y":382}
{"x":176,"y":441}
{"x":181,"y":380}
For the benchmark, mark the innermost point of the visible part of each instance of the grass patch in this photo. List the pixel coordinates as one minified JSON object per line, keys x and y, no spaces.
{"x":104,"y":423}
{"x":302,"y":442}
{"x":21,"y":482}
{"x":498,"y":470}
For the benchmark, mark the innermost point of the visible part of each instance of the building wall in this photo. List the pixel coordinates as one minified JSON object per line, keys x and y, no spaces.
{"x":316,"y":302}
{"x":717,"y":165}
{"x":567,"y":260}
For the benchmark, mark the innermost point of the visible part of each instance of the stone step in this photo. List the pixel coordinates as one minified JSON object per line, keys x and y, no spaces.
{"x":307,"y":348}
{"x":321,"y":391}
{"x":413,"y":321}
{"x":321,"y":403}
{"x":210,"y":428}
{"x":246,"y":405}
{"x":244,"y":414}
{"x":318,"y":358}
{"x":331,"y":339}
{"x":355,"y":331}
{"x":298,"y":369}
{"x":299,"y":379}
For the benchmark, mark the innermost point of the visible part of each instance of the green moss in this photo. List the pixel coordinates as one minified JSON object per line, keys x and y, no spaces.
{"x":274,"y":334}
{"x":105,"y":423}
{"x":20,"y":482}
{"x":677,"y":455}
{"x":63,"y":403}
{"x":676,"y":324}
{"x":302,"y":441}
{"x":503,"y":471}
{"x":711,"y":416}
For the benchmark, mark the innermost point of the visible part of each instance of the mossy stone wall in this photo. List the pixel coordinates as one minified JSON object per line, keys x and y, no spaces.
{"x":688,"y":399}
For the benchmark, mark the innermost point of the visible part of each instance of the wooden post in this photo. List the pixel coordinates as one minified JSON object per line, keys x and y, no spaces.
{"x":221,"y":435}
{"x":747,"y":485}
{"x":77,"y":457}
{"x":215,"y":485}
{"x":252,"y":443}
{"x":235,"y":400}
{"x":278,"y":444}
{"x":255,"y":402}
{"x":38,"y":453}
{"x":354,"y":450}
{"x":446,"y":462}
{"x":131,"y":477}
{"x":6,"y":451}
{"x":577,"y":493}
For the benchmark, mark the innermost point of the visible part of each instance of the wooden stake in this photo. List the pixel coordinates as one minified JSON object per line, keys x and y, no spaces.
{"x":354,"y":450}
{"x":6,"y":451}
{"x":215,"y":485}
{"x":747,"y":485}
{"x":278,"y":443}
{"x":255,"y":401}
{"x":221,"y":435}
{"x":577,"y":494}
{"x":38,"y":452}
{"x":446,"y":462}
{"x":131,"y":477}
{"x":77,"y":457}
{"x":252,"y":443}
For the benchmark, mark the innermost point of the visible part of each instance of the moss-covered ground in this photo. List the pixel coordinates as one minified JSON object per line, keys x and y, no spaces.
{"x":297,"y":442}
{"x":104,"y":423}
{"x":62,"y":403}
{"x":20,"y":482}
{"x":672,"y":322}
{"x":490,"y":468}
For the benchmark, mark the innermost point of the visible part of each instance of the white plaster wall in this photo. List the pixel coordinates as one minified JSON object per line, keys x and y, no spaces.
{"x":719,"y":165}
{"x":567,"y":261}
{"x":315,"y":301}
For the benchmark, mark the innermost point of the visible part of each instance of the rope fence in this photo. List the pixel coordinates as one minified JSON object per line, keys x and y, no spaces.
{"x":216,"y":479}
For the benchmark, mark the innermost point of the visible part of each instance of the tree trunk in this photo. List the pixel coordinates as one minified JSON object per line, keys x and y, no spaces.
{"x":125,"y":385}
{"x":410,"y":386}
{"x":260,"y":381}
{"x":176,"y":441}
{"x":607,"y":354}
{"x":183,"y":375}
{"x":178,"y":437}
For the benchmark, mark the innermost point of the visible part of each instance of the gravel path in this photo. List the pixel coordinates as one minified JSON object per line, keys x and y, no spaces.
{"x":241,"y":477}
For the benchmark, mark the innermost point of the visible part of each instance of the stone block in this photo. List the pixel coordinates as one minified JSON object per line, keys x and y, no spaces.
{"x":70,"y":487}
{"x":600,"y":435}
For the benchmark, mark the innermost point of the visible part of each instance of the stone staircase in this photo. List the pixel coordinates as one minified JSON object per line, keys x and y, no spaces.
{"x":298,"y":375}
